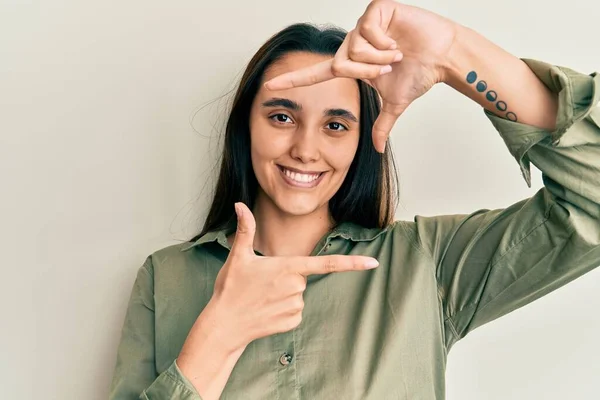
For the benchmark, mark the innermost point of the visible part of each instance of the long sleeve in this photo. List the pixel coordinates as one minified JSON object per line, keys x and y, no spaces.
{"x":135,"y":375}
{"x":491,"y":262}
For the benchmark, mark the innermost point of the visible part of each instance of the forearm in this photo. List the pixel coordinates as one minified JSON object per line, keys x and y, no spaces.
{"x":499,"y":81}
{"x":205,"y":359}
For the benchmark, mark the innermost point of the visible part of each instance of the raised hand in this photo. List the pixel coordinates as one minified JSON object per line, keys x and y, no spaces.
{"x":256,"y":296}
{"x":400,"y":50}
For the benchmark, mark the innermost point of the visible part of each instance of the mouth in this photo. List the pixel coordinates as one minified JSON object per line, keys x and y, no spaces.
{"x":300,"y":180}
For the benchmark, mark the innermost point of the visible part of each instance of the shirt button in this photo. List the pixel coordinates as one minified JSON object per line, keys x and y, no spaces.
{"x":285,"y":359}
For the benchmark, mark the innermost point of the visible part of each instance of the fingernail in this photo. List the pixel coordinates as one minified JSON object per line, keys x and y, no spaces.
{"x":398,"y":57}
{"x":393,"y":46}
{"x":385,"y":69}
{"x":237,"y":209}
{"x":373,"y":263}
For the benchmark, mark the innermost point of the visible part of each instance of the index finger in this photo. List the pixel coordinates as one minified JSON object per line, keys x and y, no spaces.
{"x":320,"y":72}
{"x":332,"y":263}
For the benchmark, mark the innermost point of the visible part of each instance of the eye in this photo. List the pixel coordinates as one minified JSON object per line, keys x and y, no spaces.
{"x":336,"y":126}
{"x":281,"y":118}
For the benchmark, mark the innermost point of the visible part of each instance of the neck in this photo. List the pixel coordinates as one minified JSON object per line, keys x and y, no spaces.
{"x":282,"y":234}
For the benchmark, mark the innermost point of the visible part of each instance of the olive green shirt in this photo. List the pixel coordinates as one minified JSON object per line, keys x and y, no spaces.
{"x":385,"y":333}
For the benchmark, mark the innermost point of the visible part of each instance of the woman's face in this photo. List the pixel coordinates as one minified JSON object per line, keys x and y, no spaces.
{"x":303,"y":139}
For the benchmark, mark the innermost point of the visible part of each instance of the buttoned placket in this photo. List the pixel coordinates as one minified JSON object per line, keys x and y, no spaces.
{"x":287,"y":376}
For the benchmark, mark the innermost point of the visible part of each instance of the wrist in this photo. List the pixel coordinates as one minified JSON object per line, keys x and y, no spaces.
{"x":207,"y":344}
{"x":212,"y":324}
{"x":498,"y":81}
{"x":458,"y":55}
{"x":208,"y":357}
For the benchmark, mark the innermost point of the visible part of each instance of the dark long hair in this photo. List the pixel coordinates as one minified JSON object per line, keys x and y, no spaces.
{"x":369,"y":192}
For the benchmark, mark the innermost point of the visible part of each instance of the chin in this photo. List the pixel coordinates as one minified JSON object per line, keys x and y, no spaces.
{"x":297,"y":207}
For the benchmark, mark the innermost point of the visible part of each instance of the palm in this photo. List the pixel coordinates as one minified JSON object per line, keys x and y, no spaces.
{"x":407,"y":81}
{"x":424,"y":38}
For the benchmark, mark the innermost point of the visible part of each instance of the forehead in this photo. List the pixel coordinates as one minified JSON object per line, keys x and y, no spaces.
{"x":334,"y":93}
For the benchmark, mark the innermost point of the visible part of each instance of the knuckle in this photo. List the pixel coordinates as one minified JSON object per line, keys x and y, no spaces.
{"x":219,"y":287}
{"x":298,"y":266}
{"x":390,"y":57}
{"x":330,"y":265}
{"x":336,"y":67}
{"x":358,"y":263}
{"x":374,"y":73}
{"x":297,"y":305}
{"x":293,"y":81}
{"x":290,"y":323}
{"x":293,"y":265}
{"x":301,"y":287}
{"x":295,"y":321}
{"x":354,"y":52}
{"x":308,"y":265}
{"x":366,"y":28}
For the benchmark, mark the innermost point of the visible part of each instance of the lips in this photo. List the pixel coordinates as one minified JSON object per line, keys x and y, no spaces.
{"x":300,"y":171}
{"x":297,"y":184}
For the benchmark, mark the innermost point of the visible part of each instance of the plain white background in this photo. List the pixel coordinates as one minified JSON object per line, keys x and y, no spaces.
{"x":105,"y":158}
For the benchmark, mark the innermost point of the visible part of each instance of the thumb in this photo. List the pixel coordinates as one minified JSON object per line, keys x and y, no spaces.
{"x":246,"y":227}
{"x":384,"y":124}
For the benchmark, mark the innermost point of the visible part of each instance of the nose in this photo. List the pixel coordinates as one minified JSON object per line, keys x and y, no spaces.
{"x":305,"y":147}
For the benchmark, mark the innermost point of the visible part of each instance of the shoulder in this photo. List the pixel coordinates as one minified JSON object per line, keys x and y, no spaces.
{"x":403,"y":231}
{"x":171,"y":251}
{"x":397,"y":235}
{"x":424,"y":234}
{"x":171,"y":263}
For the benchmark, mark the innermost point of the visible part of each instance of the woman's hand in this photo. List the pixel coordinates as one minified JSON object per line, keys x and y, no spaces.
{"x":400,"y":50}
{"x":258,"y":296}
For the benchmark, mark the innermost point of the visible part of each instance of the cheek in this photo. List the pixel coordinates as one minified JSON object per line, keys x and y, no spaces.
{"x":342,"y":154}
{"x":265,"y":145}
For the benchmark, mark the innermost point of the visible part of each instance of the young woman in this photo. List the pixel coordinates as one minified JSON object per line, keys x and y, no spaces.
{"x":301,"y":285}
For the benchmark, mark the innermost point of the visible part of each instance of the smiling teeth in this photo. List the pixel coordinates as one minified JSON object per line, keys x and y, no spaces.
{"x":303,"y":178}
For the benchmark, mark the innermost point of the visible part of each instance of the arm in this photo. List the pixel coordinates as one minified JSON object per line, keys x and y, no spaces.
{"x":497,"y":80}
{"x":135,"y":374}
{"x":204,"y":359}
{"x":491,"y":262}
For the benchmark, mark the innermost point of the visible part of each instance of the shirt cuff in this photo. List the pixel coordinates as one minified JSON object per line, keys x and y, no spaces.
{"x":578,"y":93}
{"x":171,"y":384}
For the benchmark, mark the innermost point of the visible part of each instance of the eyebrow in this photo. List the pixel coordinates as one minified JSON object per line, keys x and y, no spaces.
{"x":292,"y":105}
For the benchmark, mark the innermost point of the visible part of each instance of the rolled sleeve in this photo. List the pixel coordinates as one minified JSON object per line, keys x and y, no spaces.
{"x":171,"y":384}
{"x":491,"y":262}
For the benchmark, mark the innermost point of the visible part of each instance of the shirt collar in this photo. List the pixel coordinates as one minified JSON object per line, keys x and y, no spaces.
{"x":347,"y":230}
